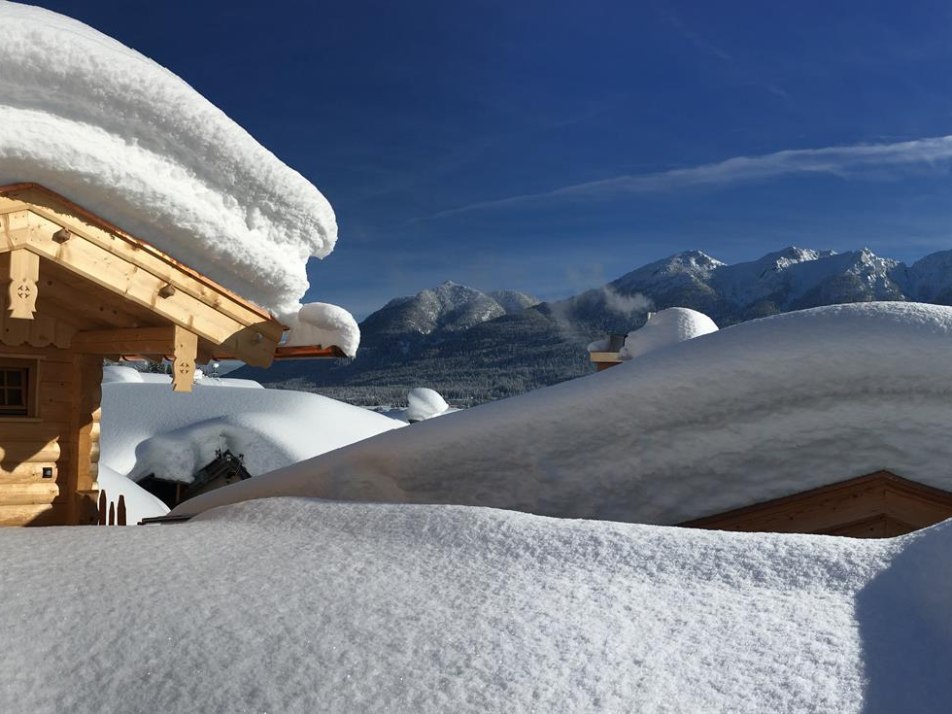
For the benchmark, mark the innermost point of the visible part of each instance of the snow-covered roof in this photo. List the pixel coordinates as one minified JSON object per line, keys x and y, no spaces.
{"x":125,"y":138}
{"x":319,"y":323}
{"x":666,"y":328}
{"x":756,"y":411}
{"x":289,"y":605}
{"x":146,"y":428}
{"x":425,"y":403}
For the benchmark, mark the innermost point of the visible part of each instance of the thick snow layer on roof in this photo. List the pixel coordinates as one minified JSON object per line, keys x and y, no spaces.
{"x":120,"y":135}
{"x":753,"y":412}
{"x":425,"y":403}
{"x":147,"y":428}
{"x":666,"y":328}
{"x":325,"y":325}
{"x":287,"y":605}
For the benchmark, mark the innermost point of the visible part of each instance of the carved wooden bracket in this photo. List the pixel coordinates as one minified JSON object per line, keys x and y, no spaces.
{"x":183,"y":366}
{"x":24,"y":274}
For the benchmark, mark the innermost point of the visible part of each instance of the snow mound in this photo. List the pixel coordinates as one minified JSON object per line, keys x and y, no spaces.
{"x":122,"y":136}
{"x":424,"y":403}
{"x":289,"y":605}
{"x":666,"y":328}
{"x":752,"y":412}
{"x":147,"y":428}
{"x":321,"y":324}
{"x":139,"y":502}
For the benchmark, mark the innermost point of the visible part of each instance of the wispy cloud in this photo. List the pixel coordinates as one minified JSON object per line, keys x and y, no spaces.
{"x":695,"y":39}
{"x":845,"y":161}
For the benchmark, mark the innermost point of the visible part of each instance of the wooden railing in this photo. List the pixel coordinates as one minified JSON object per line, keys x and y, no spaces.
{"x":112,"y":513}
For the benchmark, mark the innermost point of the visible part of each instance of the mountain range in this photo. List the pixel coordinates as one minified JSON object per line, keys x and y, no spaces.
{"x":473,"y":346}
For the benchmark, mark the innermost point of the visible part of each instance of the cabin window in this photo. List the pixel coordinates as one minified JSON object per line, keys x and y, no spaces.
{"x":17,"y":387}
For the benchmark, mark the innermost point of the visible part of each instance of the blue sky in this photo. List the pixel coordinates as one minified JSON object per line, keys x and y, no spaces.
{"x":552,"y":146}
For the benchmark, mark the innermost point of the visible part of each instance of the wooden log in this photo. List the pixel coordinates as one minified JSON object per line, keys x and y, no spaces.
{"x":16,"y":494}
{"x":137,"y":340}
{"x":102,"y":507}
{"x":44,"y":514}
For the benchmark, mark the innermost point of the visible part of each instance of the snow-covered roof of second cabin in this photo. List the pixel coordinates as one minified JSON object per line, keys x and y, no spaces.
{"x":115,"y":132}
{"x":757,"y":411}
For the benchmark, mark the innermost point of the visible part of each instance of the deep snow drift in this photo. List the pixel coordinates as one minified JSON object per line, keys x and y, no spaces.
{"x":756,"y":411}
{"x":113,"y":131}
{"x":287,"y":605}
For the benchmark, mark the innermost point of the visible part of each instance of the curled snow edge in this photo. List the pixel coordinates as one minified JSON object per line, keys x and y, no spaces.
{"x":324,"y":325}
{"x":115,"y":132}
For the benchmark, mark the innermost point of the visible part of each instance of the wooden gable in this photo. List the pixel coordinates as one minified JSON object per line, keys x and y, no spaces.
{"x":877,"y":505}
{"x":78,"y":282}
{"x":74,"y":289}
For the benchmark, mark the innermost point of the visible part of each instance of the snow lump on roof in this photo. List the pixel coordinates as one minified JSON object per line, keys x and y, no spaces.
{"x":122,"y":136}
{"x":665,"y":328}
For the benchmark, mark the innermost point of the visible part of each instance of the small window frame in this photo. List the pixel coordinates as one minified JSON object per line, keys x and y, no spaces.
{"x":26,"y":371}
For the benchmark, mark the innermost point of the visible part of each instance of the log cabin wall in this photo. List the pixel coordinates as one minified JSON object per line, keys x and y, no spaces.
{"x":49,"y":455}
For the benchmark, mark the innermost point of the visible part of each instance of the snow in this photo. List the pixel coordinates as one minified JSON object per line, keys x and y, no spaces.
{"x":139,"y":502}
{"x":125,"y":138}
{"x":294,"y":605}
{"x":147,"y":428}
{"x":666,"y":328}
{"x":752,"y":412}
{"x":112,"y":374}
{"x":425,"y":403}
{"x":321,"y":324}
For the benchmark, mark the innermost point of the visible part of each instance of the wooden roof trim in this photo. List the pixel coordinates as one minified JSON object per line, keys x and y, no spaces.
{"x":308,"y":352}
{"x":102,"y":223}
{"x":887,"y":478}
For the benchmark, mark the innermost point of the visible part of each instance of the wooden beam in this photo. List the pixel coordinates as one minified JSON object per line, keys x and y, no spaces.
{"x":37,"y":220}
{"x":283,"y":352}
{"x":24,"y":274}
{"x":134,"y":340}
{"x":183,"y":366}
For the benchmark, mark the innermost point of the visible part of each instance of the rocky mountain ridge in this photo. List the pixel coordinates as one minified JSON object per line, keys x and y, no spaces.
{"x":474,"y":346}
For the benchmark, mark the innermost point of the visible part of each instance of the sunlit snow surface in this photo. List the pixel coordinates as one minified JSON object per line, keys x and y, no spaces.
{"x":120,"y":135}
{"x":286,"y":605}
{"x":756,"y":411}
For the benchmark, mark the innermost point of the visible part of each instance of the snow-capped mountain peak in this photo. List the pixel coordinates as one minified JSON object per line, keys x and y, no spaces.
{"x":449,"y":307}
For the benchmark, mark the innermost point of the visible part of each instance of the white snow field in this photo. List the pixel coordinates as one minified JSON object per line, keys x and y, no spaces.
{"x":753,"y":412}
{"x":122,"y":136}
{"x":296,"y":605}
{"x":147,"y":428}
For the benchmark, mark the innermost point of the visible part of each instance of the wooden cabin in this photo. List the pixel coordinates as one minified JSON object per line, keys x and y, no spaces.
{"x":877,"y":505}
{"x":78,"y":290}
